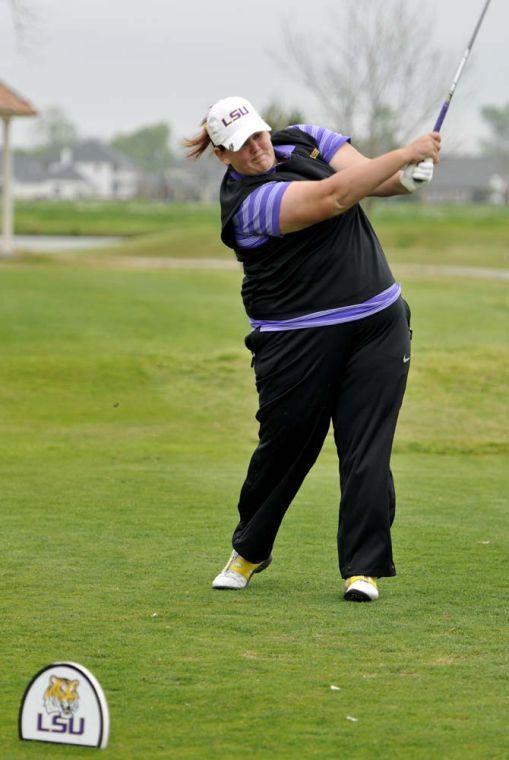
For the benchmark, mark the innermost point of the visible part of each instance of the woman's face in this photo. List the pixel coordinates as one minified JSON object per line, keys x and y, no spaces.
{"x":255,"y":157}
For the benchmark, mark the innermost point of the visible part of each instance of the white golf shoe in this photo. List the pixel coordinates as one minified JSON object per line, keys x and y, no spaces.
{"x":361,"y":588}
{"x":238,"y":571}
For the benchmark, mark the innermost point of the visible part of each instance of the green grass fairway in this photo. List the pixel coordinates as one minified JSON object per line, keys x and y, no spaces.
{"x":108,"y":217}
{"x":127,"y":405}
{"x":471,"y":235}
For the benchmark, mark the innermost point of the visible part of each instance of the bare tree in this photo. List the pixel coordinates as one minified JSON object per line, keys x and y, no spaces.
{"x":280,"y":117}
{"x":23,"y":18}
{"x":374,"y":70}
{"x":53,"y":130}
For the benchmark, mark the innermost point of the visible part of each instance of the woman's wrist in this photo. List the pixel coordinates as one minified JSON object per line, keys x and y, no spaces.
{"x":405,"y":156}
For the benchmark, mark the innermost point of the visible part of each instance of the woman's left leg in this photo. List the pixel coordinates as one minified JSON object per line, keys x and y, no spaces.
{"x":369,"y":396}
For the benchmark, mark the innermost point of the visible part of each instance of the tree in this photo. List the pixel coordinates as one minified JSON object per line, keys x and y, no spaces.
{"x":22,"y":18}
{"x":497,"y":118}
{"x":17,"y":10}
{"x":279,"y":118}
{"x":374,"y":70}
{"x":148,"y":147}
{"x":53,"y":129}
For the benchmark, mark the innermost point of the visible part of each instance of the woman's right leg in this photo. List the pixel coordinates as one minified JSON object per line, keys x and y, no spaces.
{"x":294,"y":377}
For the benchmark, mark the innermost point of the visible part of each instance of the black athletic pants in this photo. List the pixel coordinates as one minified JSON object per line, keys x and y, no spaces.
{"x":355,"y":375}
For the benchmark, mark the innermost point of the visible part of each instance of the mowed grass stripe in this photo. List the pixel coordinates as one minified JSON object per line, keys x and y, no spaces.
{"x":127,"y":408}
{"x":411,"y":233}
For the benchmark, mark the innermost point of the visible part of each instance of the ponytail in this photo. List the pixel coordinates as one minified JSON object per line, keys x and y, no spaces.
{"x":198,"y":144}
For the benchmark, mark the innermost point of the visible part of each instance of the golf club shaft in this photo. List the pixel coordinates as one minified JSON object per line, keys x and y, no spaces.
{"x":445,"y":106}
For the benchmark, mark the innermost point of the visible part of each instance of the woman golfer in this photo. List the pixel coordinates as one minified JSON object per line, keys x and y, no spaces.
{"x":330,"y":332}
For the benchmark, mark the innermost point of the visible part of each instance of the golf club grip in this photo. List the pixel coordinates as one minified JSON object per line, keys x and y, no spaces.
{"x":441,"y":116}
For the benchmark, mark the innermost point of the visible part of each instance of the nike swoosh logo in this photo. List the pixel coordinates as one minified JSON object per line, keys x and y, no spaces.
{"x":406,"y":359}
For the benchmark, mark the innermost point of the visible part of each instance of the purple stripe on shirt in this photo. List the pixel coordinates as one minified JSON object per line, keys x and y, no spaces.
{"x":272,"y":220}
{"x":269,"y":218}
{"x":332,"y":316}
{"x":328,"y":145}
{"x":336,"y":142}
{"x":284,"y":150}
{"x":264,"y":193}
{"x":275,"y":210}
{"x":325,"y":137}
{"x":257,"y":210}
{"x":251,"y":241}
{"x":328,"y":142}
{"x":259,"y":214}
{"x":245,"y":214}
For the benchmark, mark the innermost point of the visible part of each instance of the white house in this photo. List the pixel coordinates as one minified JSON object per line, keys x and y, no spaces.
{"x":107,"y":171}
{"x":66,"y":184}
{"x":88,"y":169}
{"x":33,"y":181}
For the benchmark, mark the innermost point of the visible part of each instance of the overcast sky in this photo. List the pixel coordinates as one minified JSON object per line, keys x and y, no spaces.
{"x":114,"y":65}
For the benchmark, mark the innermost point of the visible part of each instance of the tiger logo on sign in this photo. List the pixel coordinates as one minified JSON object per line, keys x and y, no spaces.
{"x":61,"y":696}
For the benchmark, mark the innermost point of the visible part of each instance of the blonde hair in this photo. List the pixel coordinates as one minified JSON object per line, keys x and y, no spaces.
{"x":198,"y":144}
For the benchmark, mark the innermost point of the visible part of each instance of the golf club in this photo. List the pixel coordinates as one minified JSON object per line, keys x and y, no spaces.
{"x":447,"y":102}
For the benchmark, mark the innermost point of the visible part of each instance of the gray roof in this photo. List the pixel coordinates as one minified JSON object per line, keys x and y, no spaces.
{"x":469,"y":172}
{"x":27,"y":169}
{"x":89,"y":151}
{"x":96,"y":151}
{"x":65,"y":172}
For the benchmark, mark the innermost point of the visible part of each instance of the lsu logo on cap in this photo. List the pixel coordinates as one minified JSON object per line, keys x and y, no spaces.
{"x":237,"y":113}
{"x":64,"y":704}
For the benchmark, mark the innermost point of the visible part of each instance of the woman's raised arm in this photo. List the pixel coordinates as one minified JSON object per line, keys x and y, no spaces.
{"x":307,"y":202}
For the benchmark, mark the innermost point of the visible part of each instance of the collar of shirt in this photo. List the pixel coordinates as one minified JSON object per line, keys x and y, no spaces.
{"x":283,"y":153}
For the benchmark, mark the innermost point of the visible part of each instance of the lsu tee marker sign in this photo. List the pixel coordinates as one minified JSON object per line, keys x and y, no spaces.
{"x":64,"y":704}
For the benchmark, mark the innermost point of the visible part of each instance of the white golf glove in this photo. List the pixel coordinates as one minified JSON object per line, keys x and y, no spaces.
{"x":416,"y":175}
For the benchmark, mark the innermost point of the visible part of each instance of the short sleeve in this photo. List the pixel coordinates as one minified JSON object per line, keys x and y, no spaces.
{"x":328,"y":142}
{"x":258,"y":216}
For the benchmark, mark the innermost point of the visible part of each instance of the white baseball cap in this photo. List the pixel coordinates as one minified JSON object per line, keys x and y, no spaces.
{"x":232,"y":120}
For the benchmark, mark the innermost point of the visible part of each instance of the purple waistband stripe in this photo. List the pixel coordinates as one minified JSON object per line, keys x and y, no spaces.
{"x":332,"y":316}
